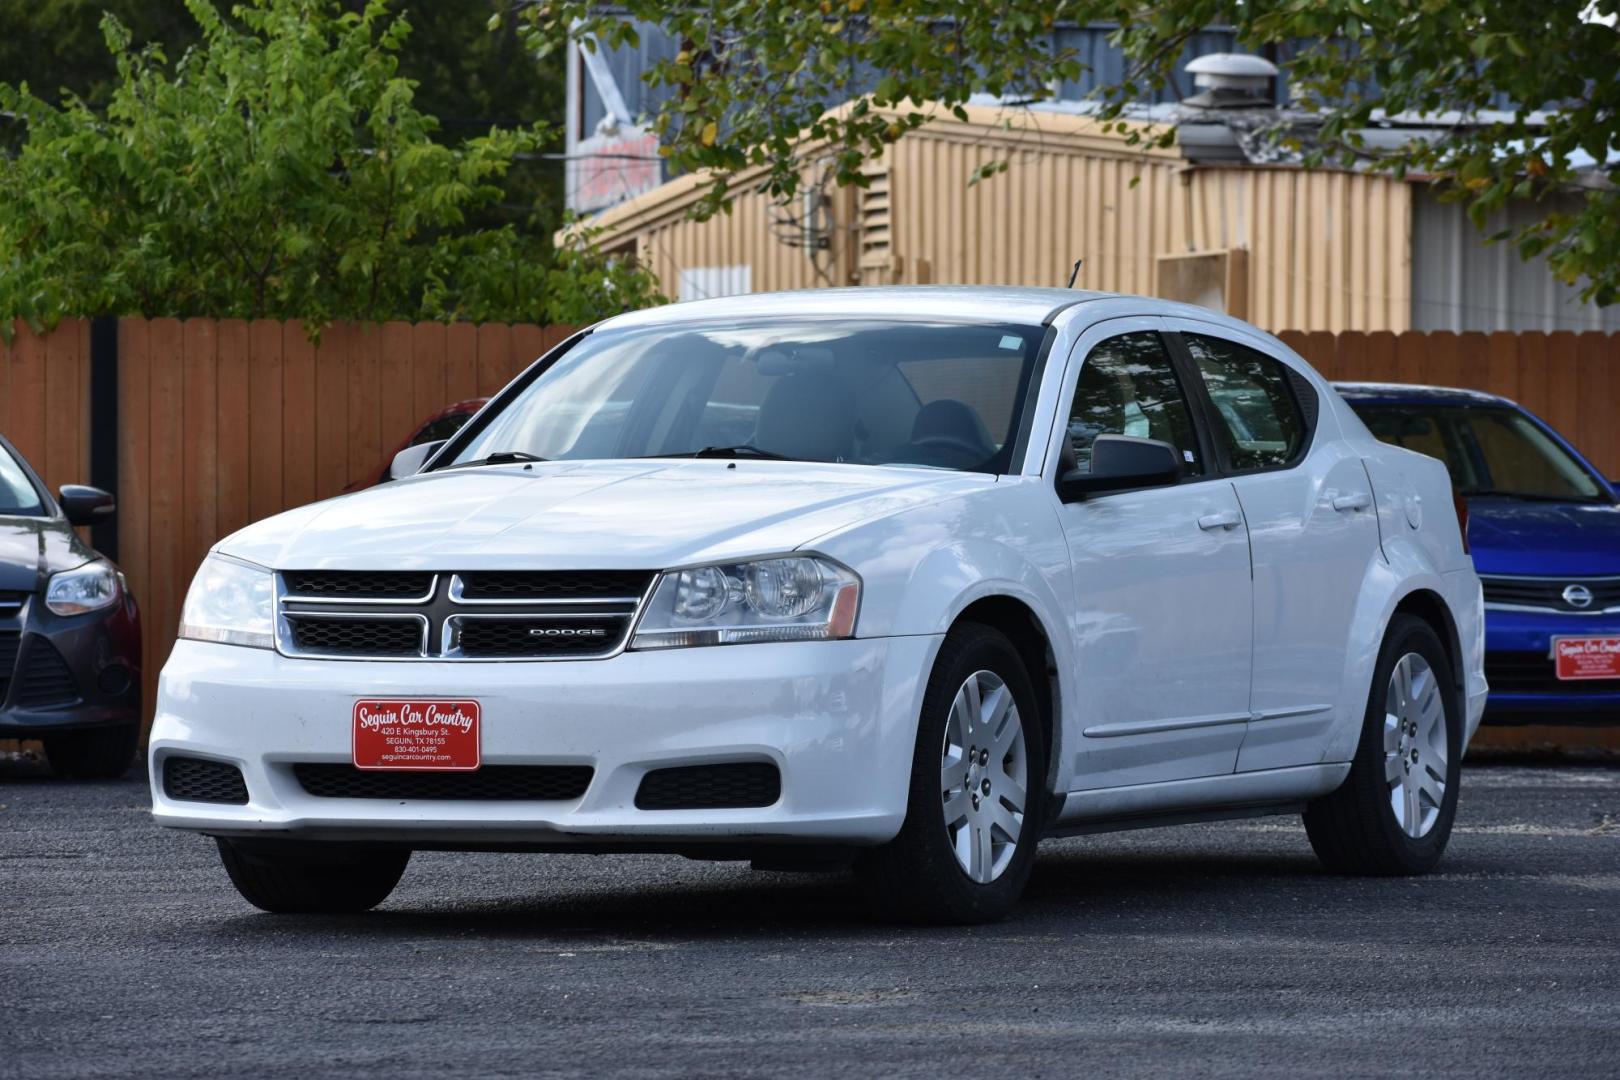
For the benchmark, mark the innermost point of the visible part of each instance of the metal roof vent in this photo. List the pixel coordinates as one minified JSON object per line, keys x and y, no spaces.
{"x":1232,"y":81}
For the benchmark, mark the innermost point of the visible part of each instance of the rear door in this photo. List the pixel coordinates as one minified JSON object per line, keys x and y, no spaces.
{"x":1313,"y":533}
{"x":1161,"y":608}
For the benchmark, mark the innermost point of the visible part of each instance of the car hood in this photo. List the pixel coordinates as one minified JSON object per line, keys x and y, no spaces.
{"x":1550,"y":539}
{"x":31,"y":547}
{"x":597,"y":515}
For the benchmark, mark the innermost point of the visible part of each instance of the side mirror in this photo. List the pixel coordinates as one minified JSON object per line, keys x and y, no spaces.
{"x":1120,"y":463}
{"x":85,"y":505}
{"x":409,"y":461}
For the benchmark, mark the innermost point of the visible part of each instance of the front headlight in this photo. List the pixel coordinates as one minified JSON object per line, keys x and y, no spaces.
{"x":232,"y":603}
{"x":791,"y":598}
{"x":90,"y":587}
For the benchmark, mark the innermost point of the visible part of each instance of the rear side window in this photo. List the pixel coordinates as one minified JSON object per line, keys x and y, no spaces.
{"x":1258,"y":420}
{"x":1128,"y":386}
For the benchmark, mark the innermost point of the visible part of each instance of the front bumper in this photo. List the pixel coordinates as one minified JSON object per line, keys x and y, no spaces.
{"x":68,"y":673}
{"x":837,"y":718}
{"x":1519,"y":667}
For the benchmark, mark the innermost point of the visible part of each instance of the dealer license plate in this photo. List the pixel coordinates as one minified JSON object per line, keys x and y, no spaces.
{"x":1587,"y":657}
{"x":410,"y":733}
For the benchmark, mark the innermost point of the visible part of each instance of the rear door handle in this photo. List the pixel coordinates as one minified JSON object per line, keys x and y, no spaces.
{"x":1356,"y":500}
{"x":1226,"y":519}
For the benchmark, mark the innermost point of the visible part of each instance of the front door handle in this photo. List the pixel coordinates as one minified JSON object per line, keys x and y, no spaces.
{"x":1226,"y":519}
{"x":1356,"y":500}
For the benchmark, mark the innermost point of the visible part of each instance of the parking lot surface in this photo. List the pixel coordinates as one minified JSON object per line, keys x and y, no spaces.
{"x":1213,"y":949}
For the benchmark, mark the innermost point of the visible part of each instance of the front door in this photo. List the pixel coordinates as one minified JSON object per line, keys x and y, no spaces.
{"x":1162,"y":592}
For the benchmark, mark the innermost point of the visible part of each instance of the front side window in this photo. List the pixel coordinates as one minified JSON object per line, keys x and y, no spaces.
{"x":864,"y":391}
{"x":1258,"y":420}
{"x":1128,"y":386}
{"x":1489,"y":450}
{"x":17,"y":494}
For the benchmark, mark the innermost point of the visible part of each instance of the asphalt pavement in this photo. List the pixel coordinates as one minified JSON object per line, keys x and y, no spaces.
{"x":1218,"y":950}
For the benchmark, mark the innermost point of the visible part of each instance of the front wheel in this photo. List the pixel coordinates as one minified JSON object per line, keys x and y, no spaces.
{"x":973,"y":812}
{"x":288,"y":877}
{"x":1393,"y":813}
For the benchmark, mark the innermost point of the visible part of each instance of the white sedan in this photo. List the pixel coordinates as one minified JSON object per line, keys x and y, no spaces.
{"x":896,"y":579}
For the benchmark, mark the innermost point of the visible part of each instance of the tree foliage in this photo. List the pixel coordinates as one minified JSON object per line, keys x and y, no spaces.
{"x":1532,"y":86}
{"x":281,"y":168}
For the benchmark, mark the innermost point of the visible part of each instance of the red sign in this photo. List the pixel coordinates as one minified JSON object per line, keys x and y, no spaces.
{"x":1587,"y":657}
{"x":401,"y":733}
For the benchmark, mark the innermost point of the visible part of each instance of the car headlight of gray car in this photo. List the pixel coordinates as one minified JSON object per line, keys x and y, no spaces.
{"x":785,"y":598}
{"x":230,"y":602}
{"x":90,"y":587}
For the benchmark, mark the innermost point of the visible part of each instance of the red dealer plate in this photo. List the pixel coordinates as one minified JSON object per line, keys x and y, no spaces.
{"x":1587,"y":657}
{"x":411,"y":733}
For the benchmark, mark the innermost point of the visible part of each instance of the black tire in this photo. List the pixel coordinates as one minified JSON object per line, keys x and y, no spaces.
{"x":916,"y":877}
{"x":98,"y":754}
{"x":287,"y":877}
{"x":1354,"y":830}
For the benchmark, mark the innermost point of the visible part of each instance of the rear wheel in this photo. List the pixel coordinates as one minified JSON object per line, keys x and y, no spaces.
{"x":98,"y":754}
{"x":1393,"y":813}
{"x":286,"y":877}
{"x":973,"y":814}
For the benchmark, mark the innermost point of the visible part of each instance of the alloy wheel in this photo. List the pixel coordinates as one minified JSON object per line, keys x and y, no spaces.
{"x":984,"y":776}
{"x":1415,"y":751}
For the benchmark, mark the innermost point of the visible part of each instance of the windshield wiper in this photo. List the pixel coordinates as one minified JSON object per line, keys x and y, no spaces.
{"x":500,"y":457}
{"x":740,"y":450}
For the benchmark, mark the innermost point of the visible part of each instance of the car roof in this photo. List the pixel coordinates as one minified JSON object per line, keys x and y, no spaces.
{"x":1009,"y":304}
{"x":1380,"y":393}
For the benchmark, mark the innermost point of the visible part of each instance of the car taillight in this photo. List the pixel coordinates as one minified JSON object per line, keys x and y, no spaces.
{"x":1462,"y":517}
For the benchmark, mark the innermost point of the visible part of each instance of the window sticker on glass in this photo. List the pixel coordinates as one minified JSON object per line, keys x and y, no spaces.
{"x":1012,"y":341}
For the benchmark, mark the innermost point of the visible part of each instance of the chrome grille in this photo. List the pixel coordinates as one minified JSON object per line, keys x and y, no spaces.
{"x":1548,"y":593}
{"x":485,"y":615}
{"x":11,"y":604}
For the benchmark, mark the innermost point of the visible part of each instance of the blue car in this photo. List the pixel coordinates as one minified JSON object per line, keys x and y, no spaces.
{"x":1544,"y":527}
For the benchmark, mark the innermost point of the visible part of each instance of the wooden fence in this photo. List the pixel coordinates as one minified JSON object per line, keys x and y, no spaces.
{"x":223,"y":422}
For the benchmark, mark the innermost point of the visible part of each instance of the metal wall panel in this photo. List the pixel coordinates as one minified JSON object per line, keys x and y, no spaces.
{"x":1459,"y":282}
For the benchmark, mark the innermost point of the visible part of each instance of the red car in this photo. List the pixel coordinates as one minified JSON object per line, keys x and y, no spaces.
{"x":441,"y":425}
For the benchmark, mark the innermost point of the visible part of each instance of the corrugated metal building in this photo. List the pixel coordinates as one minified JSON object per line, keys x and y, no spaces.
{"x":1215,"y":219}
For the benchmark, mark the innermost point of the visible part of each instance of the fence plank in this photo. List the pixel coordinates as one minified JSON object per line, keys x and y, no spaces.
{"x":199,"y":440}
{"x":265,"y":495}
{"x":233,"y":417}
{"x":135,"y":489}
{"x":1563,"y":381}
{"x":1503,"y":364}
{"x":1321,"y":348}
{"x":67,"y":404}
{"x":1596,"y":433}
{"x":298,"y":416}
{"x":494,"y":357}
{"x":398,"y":411}
{"x":1380,"y":357}
{"x":27,"y":430}
{"x":168,"y":576}
{"x":1443,"y":364}
{"x":365,"y":430}
{"x":332,"y":409}
{"x":460,"y":362}
{"x":427,"y":366}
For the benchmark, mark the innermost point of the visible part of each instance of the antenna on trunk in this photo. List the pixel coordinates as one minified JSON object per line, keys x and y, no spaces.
{"x":1075,"y":273}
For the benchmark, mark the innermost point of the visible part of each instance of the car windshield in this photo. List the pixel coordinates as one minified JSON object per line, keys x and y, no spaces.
{"x":1490,"y":450}
{"x":17,"y":494}
{"x":864,"y":391}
